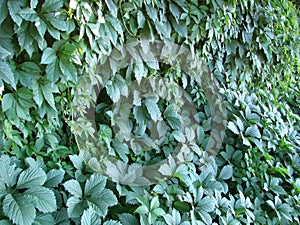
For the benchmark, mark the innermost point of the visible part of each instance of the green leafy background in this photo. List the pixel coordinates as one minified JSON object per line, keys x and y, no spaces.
{"x":251,"y":47}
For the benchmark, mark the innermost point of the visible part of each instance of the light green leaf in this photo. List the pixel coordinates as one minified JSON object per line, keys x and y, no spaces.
{"x":226,"y":172}
{"x":112,"y":7}
{"x":29,"y":14}
{"x":112,"y":91}
{"x":6,"y":75}
{"x":253,"y":131}
{"x":101,"y":201}
{"x":56,"y":21}
{"x":141,"y":19}
{"x":31,"y":177}
{"x":68,"y":70}
{"x":172,"y":117}
{"x":4,"y":11}
{"x":152,"y":108}
{"x":112,"y":222}
{"x":54,"y":178}
{"x":48,"y":91}
{"x":233,"y":127}
{"x":7,"y":102}
{"x":128,"y":219}
{"x":9,"y":173}
{"x":94,"y":185}
{"x":43,"y":198}
{"x":73,"y":187}
{"x":89,"y":217}
{"x":75,"y":207}
{"x":52,"y":5}
{"x":19,"y":209}
{"x":154,"y":203}
{"x":142,"y":210}
{"x":48,"y":56}
{"x":45,"y":219}
{"x":14,"y":8}
{"x":4,"y":53}
{"x":207,"y":204}
{"x":53,"y":71}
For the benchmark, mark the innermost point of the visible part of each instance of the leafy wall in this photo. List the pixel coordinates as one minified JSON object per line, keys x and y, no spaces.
{"x":251,"y":47}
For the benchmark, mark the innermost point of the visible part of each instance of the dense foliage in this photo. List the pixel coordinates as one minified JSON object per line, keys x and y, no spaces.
{"x":251,"y":47}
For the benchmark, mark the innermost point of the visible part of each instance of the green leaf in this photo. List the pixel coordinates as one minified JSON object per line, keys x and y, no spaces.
{"x":14,"y":8}
{"x":172,"y":117}
{"x":45,"y":219}
{"x":112,"y":222}
{"x":154,"y":203}
{"x":9,"y":173}
{"x":112,"y":91}
{"x":48,"y":91}
{"x":101,"y":201}
{"x":226,"y":172}
{"x":43,"y":199}
{"x":31,"y":177}
{"x":7,"y":102}
{"x":56,"y":21}
{"x":141,"y":19}
{"x":253,"y":131}
{"x":4,"y":53}
{"x":4,"y":11}
{"x":19,"y":209}
{"x":26,"y":72}
{"x":142,"y":210}
{"x":182,"y":206}
{"x":54,"y":178}
{"x":89,"y":217}
{"x":233,"y":127}
{"x":6,"y":75}
{"x":128,"y":219}
{"x":53,"y":71}
{"x":5,"y":222}
{"x":152,"y":108}
{"x":94,"y":185}
{"x":48,"y":56}
{"x":207,"y":204}
{"x":164,"y":29}
{"x":52,"y":5}
{"x":73,"y":187}
{"x":112,"y":7}
{"x":68,"y":70}
{"x":75,"y":207}
{"x":29,"y":14}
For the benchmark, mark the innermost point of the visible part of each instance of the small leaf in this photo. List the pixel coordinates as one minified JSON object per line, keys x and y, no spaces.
{"x":154,"y":203}
{"x":142,"y":210}
{"x":253,"y":131}
{"x":233,"y":127}
{"x":226,"y":172}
